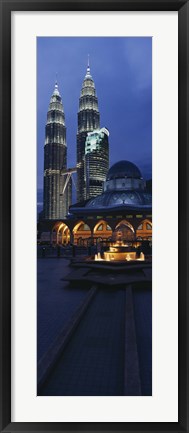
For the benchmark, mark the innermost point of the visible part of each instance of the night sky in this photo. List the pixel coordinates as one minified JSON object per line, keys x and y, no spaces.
{"x":122,"y":72}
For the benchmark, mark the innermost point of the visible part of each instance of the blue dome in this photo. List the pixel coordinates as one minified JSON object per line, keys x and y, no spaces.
{"x":124,"y":169}
{"x":136,"y":199}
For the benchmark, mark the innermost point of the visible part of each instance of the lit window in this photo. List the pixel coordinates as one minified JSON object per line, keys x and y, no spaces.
{"x":148,"y":226}
{"x":83,"y":227}
{"x":100,"y":227}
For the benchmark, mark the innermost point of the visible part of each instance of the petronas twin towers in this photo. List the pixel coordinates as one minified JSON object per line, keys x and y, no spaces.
{"x":57,"y":190}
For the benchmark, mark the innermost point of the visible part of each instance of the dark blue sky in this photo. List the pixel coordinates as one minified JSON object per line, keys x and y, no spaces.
{"x":122,"y":72}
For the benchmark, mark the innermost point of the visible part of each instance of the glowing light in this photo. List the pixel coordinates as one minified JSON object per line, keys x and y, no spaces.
{"x":98,"y":257}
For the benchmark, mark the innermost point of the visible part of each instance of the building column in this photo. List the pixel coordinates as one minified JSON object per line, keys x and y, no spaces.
{"x":51,"y":238}
{"x":71,"y":237}
{"x":67,"y":236}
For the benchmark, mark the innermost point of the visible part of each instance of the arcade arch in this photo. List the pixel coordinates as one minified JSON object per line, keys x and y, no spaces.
{"x":81,"y":233}
{"x":124,"y":231}
{"x":61,"y":234}
{"x":102,"y":230}
{"x":144,"y":230}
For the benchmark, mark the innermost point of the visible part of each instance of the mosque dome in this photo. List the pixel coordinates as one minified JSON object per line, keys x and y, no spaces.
{"x":129,"y":199}
{"x":124,"y":175}
{"x":124,"y":169}
{"x":124,"y":189}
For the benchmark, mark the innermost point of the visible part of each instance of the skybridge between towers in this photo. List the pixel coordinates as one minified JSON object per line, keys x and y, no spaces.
{"x":68,"y":172}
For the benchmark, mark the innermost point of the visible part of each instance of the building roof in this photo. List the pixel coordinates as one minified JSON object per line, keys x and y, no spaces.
{"x":115,"y":201}
{"x":123,"y":169}
{"x":127,"y":198}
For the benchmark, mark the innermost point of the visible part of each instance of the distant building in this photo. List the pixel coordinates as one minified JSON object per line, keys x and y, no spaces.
{"x":88,"y":120}
{"x":55,"y":204}
{"x":96,"y":162}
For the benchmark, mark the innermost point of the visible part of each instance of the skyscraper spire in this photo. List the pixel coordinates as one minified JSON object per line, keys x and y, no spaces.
{"x":88,"y":73}
{"x":56,"y":90}
{"x":88,"y":65}
{"x":88,"y":120}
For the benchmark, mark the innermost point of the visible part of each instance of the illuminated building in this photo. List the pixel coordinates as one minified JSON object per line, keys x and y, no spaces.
{"x":55,"y":204}
{"x":122,"y":212}
{"x":96,"y":162}
{"x":88,"y":120}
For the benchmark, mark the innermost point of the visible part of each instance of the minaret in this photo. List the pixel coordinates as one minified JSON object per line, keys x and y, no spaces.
{"x":88,"y":120}
{"x":55,"y":205}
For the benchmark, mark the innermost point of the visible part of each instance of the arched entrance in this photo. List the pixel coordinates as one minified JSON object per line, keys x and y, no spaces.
{"x":61,"y":234}
{"x":81,"y":233}
{"x":102,"y":231}
{"x":124,"y":232}
{"x":144,"y":230}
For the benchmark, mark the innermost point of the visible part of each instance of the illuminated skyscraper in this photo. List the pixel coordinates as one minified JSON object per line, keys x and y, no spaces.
{"x":55,"y":204}
{"x":96,"y":161}
{"x":88,"y":120}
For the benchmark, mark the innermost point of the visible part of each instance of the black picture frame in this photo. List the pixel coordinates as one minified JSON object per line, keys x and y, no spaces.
{"x":6,"y":7}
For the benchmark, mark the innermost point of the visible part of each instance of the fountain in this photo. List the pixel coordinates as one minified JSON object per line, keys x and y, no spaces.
{"x":98,"y":257}
{"x":119,"y":252}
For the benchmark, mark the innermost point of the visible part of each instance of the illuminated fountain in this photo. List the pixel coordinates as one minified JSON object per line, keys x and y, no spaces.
{"x":119,"y":252}
{"x":120,"y":249}
{"x":98,"y":257}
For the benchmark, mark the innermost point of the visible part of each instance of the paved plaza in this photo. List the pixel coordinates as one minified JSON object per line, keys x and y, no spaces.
{"x":95,"y":360}
{"x":55,"y":301}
